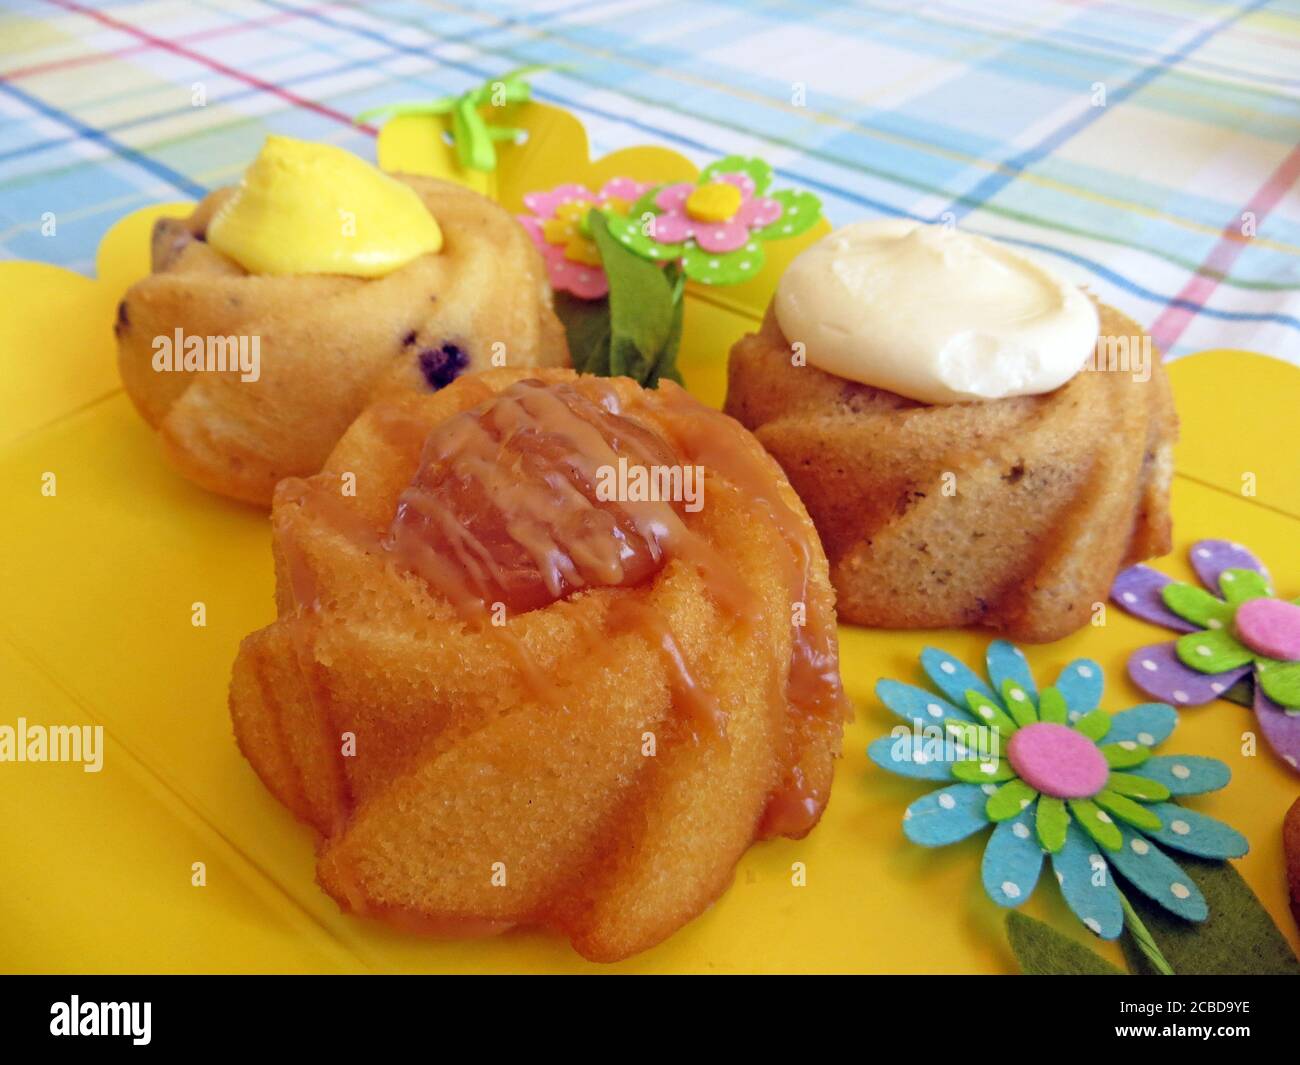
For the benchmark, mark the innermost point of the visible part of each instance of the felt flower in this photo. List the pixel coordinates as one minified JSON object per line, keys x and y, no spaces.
{"x":1235,"y":630}
{"x":716,"y":225}
{"x":558,"y":225}
{"x":1055,"y":775}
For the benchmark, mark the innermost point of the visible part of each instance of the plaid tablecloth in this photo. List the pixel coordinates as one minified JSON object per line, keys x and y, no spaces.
{"x":1148,"y":149}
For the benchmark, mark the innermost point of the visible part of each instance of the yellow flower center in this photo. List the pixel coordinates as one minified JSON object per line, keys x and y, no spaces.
{"x":580,"y":249}
{"x":568,"y":215}
{"x":569,"y":227}
{"x":715,"y":202}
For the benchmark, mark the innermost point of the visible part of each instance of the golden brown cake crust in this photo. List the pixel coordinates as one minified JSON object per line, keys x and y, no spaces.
{"x":324,"y":340}
{"x":1014,"y":514}
{"x":472,"y":804}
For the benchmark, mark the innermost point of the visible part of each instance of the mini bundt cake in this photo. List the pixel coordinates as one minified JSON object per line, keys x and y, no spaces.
{"x":514,"y":683}
{"x":1012,"y":513}
{"x":322,"y":338}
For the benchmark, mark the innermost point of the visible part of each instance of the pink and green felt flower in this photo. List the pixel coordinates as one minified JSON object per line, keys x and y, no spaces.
{"x":557,"y":223}
{"x":1056,"y":776}
{"x":1234,"y":629}
{"x":716,"y":226}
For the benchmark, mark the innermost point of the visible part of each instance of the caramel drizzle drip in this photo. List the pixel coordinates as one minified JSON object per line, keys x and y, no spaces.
{"x":708,"y":437}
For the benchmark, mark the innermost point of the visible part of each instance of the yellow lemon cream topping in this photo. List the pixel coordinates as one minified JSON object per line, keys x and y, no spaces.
{"x":306,"y":208}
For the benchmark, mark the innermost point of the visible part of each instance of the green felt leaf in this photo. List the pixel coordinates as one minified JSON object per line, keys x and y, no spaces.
{"x":1052,"y":707}
{"x":987,"y":711}
{"x":1094,"y":725}
{"x":1214,"y":651}
{"x":1096,"y":822}
{"x":1053,"y":818}
{"x":1043,"y":951}
{"x":586,"y":322}
{"x":1127,"y":810}
{"x":800,"y":211}
{"x":727,"y":268}
{"x":1280,"y":681}
{"x":1019,"y":702}
{"x":1196,"y":605}
{"x":1237,"y":938}
{"x":1239,"y":585}
{"x":983,"y":771}
{"x":645,"y":203}
{"x":758,"y":169}
{"x":1125,"y":754}
{"x":1136,"y":787}
{"x":628,"y":231}
{"x":644,"y":310}
{"x":1009,"y":800}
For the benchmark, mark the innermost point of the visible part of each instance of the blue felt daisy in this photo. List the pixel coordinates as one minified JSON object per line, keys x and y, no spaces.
{"x":1055,"y":775}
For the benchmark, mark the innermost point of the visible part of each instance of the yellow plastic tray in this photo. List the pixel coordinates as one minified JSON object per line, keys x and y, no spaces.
{"x":99,"y":582}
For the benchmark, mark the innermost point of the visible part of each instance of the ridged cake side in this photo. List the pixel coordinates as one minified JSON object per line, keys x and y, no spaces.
{"x":471,"y":804}
{"x":1014,"y":514}
{"x":324,"y":340}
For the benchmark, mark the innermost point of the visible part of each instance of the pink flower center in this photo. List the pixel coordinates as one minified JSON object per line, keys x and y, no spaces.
{"x":1057,"y":761}
{"x":1270,"y":627}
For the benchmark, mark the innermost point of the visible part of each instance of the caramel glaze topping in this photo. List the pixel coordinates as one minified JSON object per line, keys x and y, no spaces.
{"x":503,"y":509}
{"x":505,"y":499}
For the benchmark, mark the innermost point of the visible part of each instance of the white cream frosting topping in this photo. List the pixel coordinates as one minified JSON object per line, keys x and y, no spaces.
{"x":934,"y":314}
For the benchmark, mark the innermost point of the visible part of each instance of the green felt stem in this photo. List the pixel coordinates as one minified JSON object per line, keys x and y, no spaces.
{"x":1238,"y":938}
{"x":1143,"y":939}
{"x":679,"y":288}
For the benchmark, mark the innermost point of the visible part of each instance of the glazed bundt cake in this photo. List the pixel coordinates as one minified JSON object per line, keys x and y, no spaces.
{"x":323,"y":339}
{"x":512,"y":683}
{"x":1014,"y":513}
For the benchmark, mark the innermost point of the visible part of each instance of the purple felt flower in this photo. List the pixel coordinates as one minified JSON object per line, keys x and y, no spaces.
{"x":1233,"y":629}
